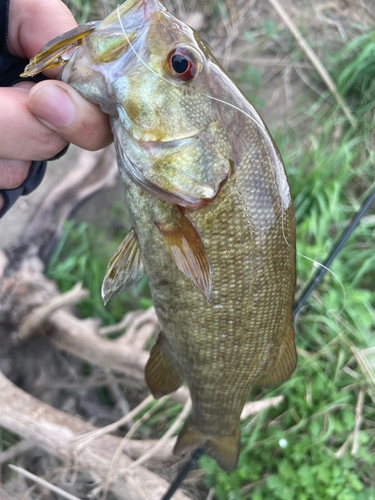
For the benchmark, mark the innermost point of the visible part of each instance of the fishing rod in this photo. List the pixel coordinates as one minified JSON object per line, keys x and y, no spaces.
{"x":193,"y":460}
{"x":315,"y":280}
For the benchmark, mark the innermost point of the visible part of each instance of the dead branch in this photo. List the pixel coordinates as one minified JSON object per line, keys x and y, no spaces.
{"x":152,"y":453}
{"x":161,"y":442}
{"x":254,"y":407}
{"x":88,"y":438}
{"x":35,"y":320}
{"x":16,"y":449}
{"x":79,"y":338}
{"x":44,"y":483}
{"x":117,"y":394}
{"x":358,"y":421}
{"x":94,"y":172}
{"x":55,"y":432}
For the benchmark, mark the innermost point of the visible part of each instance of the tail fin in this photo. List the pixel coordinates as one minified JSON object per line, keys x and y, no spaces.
{"x":224,"y":449}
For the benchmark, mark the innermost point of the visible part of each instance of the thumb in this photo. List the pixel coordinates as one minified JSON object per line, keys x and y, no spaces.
{"x":64,"y":110}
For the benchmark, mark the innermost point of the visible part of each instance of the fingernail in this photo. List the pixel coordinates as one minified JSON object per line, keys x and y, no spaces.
{"x":52,"y":105}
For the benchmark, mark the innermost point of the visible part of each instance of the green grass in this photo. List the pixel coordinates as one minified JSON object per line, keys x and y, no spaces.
{"x":292,"y":452}
{"x":331,"y":170}
{"x":82,"y":254}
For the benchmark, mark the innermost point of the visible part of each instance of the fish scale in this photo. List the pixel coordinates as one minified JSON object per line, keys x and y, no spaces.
{"x":212,"y":218}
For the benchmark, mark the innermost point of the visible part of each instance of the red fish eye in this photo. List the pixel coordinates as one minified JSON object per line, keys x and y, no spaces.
{"x":182,"y":64}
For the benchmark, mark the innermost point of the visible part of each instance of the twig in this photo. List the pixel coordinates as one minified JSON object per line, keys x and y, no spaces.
{"x":125,"y":440}
{"x":43,"y":483}
{"x":358,"y":421}
{"x":253,"y":485}
{"x":173,"y":428}
{"x":313,"y":58}
{"x":15,"y":450}
{"x":339,"y":453}
{"x":55,"y":431}
{"x":116,"y":392}
{"x":135,"y":427}
{"x":80,"y":338}
{"x":36,"y":318}
{"x":159,"y":444}
{"x":119,"y":327}
{"x":257,"y":406}
{"x":141,"y":329}
{"x":211,"y":493}
{"x":91,"y":436}
{"x":270,"y":61}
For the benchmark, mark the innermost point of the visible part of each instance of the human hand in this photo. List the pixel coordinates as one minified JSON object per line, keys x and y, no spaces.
{"x":39,"y":120}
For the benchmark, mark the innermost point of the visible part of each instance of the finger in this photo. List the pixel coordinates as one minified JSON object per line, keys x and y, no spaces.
{"x":13,"y":173}
{"x":33,"y":23}
{"x":23,"y":136}
{"x":73,"y":117}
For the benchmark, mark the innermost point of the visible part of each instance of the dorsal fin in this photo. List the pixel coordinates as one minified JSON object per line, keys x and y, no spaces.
{"x":188,"y":252}
{"x":124,"y":269}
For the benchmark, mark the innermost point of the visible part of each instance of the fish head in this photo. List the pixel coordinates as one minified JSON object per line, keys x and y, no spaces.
{"x":143,"y":60}
{"x":154,"y":76}
{"x":164,"y":92}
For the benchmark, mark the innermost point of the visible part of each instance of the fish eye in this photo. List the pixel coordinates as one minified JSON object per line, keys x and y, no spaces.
{"x":183,"y":64}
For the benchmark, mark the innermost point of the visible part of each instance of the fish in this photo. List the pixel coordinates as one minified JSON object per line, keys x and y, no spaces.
{"x":213,"y":224}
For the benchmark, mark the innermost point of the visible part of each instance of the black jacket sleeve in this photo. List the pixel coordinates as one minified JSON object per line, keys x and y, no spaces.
{"x":10,"y":69}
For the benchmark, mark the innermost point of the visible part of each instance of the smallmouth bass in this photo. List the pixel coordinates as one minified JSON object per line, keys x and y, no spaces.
{"x":213,"y":221}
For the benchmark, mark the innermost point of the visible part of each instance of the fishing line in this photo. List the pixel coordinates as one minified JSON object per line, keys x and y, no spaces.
{"x":265,"y":135}
{"x":315,"y":280}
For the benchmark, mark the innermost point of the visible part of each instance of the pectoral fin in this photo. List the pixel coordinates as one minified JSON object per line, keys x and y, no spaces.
{"x":285,"y":362}
{"x":224,"y":449}
{"x":124,"y":269}
{"x":50,"y":55}
{"x":161,"y":375}
{"x":188,"y":252}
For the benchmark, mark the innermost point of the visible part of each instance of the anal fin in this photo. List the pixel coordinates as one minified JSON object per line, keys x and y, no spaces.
{"x":188,"y":252}
{"x":224,"y":449}
{"x":285,"y":362}
{"x":161,"y":375}
{"x":124,"y":269}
